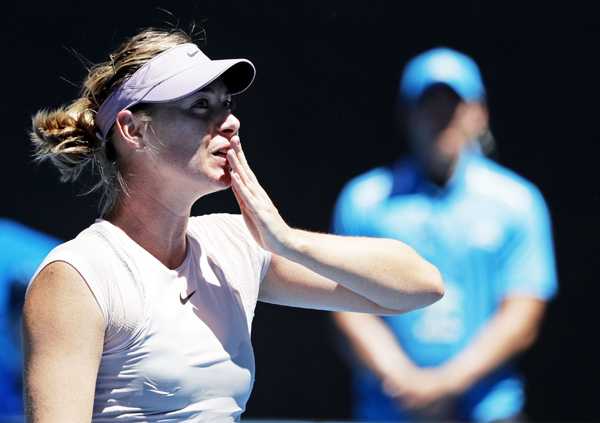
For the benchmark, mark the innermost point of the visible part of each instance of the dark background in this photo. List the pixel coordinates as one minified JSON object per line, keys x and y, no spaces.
{"x":320,"y":112}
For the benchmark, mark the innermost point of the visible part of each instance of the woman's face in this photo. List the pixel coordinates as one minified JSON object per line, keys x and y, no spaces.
{"x":192,"y":136}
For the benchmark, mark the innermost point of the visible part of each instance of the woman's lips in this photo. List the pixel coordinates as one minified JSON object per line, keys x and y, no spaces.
{"x":221,"y":155}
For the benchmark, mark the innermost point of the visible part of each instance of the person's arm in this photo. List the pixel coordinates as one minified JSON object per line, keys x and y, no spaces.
{"x":63,"y":335}
{"x":373,"y":344}
{"x":329,"y":271}
{"x":511,"y":330}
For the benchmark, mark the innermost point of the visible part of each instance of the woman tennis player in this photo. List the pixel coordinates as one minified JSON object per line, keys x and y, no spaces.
{"x":146,"y":314}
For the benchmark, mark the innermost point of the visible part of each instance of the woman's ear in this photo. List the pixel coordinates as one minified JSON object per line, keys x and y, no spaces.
{"x":129,"y":126}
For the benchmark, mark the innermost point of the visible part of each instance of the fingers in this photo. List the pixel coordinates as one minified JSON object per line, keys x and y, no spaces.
{"x":246,"y":200}
{"x":241,"y":163}
{"x":239,"y":166}
{"x":246,"y":189}
{"x":236,"y":193}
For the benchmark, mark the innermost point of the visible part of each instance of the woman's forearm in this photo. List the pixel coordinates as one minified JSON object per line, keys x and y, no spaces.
{"x":386,"y":271}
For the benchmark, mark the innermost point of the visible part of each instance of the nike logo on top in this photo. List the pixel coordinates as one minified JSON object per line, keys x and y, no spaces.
{"x":186,"y":299}
{"x":193,"y":54}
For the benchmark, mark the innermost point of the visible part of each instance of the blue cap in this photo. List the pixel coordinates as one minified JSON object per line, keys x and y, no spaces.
{"x":441,"y":66}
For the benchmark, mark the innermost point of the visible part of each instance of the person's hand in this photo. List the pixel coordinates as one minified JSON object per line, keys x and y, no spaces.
{"x":262,"y":218}
{"x":426,"y":392}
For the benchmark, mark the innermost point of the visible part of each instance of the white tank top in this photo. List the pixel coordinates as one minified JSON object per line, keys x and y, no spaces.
{"x":177,"y":342}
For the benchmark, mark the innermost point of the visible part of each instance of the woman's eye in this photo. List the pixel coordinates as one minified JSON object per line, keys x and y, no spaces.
{"x":202,"y":103}
{"x":229,"y":104}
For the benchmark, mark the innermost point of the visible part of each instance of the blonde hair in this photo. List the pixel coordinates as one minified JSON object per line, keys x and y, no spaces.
{"x":68,"y":136}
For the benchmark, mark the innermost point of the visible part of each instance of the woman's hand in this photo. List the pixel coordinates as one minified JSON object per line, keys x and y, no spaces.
{"x":386,"y":273}
{"x":262,"y":218}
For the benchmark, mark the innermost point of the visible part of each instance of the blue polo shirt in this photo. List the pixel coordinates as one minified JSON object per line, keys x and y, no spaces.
{"x":487,"y":231}
{"x":22,"y":250}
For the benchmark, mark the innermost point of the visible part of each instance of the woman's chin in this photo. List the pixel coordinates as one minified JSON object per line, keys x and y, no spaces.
{"x":224,"y":181}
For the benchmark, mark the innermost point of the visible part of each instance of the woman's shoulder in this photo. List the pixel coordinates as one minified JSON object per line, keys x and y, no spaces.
{"x":216,"y":218}
{"x":223,"y":234}
{"x":75,"y":247}
{"x":218,"y":224}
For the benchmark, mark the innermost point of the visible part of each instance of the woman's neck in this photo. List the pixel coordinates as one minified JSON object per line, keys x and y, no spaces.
{"x":155,"y":227}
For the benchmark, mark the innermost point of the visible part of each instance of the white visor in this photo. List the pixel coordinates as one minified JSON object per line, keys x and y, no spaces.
{"x":173,"y":74}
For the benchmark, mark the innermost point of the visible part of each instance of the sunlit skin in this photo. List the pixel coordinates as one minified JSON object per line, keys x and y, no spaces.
{"x":440,"y":127}
{"x":169,"y":163}
{"x":191,"y":137}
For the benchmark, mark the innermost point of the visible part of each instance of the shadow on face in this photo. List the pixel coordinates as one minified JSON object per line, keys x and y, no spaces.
{"x":439,"y":127}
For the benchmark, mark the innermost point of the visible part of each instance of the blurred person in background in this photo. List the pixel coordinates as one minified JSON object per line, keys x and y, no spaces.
{"x":486,"y":229}
{"x":22,"y":249}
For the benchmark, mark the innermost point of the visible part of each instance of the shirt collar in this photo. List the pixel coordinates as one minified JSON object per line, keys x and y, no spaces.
{"x":422,"y":184}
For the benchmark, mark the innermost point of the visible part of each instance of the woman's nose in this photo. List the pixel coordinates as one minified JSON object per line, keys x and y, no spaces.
{"x":230,"y":126}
